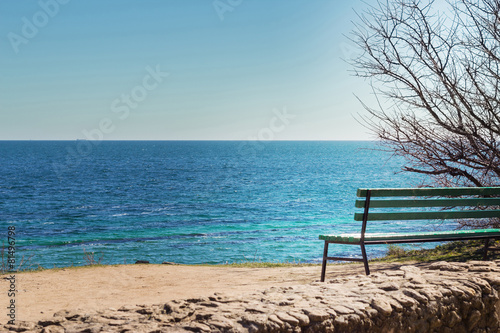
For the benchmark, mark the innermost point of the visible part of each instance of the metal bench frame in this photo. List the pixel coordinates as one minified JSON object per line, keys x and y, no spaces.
{"x":456,"y":194}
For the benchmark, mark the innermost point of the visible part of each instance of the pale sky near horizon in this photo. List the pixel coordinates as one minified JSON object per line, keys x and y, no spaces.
{"x":179,"y":70}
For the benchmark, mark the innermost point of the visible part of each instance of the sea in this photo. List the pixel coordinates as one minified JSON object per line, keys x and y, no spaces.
{"x":72,"y":203}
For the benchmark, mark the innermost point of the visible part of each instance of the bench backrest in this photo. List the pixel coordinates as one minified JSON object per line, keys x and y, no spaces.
{"x":451,"y":203}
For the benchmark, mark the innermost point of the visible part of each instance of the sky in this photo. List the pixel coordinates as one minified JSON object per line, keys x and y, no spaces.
{"x":179,"y":70}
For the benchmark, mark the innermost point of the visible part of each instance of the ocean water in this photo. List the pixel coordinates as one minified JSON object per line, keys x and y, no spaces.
{"x":188,"y":202}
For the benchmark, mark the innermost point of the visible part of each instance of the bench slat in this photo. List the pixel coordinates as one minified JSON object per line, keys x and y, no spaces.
{"x":356,"y":238}
{"x":442,"y":215}
{"x":401,"y":203}
{"x":450,"y":191}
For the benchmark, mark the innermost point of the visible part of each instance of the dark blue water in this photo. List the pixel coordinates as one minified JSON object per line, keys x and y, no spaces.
{"x":186,"y":202}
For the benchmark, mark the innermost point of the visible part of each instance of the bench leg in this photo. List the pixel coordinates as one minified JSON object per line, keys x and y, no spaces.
{"x":323,"y":267}
{"x":365,"y":259}
{"x":486,"y":245}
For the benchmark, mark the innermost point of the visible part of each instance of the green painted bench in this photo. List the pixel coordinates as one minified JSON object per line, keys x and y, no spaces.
{"x":406,"y":204}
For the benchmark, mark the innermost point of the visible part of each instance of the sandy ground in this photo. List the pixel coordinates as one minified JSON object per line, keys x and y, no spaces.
{"x":40,"y":294}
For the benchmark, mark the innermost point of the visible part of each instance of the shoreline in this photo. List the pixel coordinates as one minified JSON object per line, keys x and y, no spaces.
{"x":90,"y":288}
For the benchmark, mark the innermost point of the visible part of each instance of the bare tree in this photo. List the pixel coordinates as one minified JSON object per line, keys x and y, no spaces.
{"x":436,"y":75}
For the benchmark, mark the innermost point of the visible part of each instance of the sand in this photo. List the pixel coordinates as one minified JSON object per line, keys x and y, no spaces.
{"x":40,"y":294}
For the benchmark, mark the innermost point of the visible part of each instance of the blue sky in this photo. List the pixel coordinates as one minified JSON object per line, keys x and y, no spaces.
{"x":178,"y":70}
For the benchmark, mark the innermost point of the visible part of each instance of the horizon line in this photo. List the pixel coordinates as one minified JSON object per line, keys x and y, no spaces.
{"x":186,"y":140}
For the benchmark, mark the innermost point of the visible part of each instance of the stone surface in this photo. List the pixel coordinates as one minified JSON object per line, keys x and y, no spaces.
{"x":446,"y":297}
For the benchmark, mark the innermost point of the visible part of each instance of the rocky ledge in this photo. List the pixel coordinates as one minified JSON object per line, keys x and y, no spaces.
{"x":443,"y":297}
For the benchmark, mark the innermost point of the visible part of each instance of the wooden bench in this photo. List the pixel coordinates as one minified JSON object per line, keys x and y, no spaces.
{"x":406,"y":204}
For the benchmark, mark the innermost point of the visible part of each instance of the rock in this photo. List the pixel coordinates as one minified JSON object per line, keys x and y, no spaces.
{"x":53,"y":329}
{"x":404,"y":300}
{"x":410,"y":269}
{"x":220,"y":322}
{"x":389,"y":286}
{"x":254,"y":322}
{"x":168,"y":308}
{"x":416,"y":295}
{"x":51,"y":322}
{"x":275,"y":319}
{"x":480,"y":269}
{"x":128,"y":308}
{"x":382,"y":306}
{"x":68,"y":315}
{"x":431,"y":293}
{"x":394,"y":273}
{"x":395,"y":304}
{"x":476,"y":263}
{"x":302,"y":318}
{"x":316,"y":314}
{"x":209,"y":304}
{"x":142,"y":262}
{"x":474,"y":318}
{"x":453,"y":319}
{"x":435,"y":323}
{"x":342,"y":309}
{"x":114,"y":322}
{"x":445,"y":266}
{"x":201,"y":327}
{"x":461,"y":290}
{"x":256,"y":309}
{"x":492,"y":279}
{"x":415,"y":278}
{"x":287,"y":318}
{"x":21,"y":326}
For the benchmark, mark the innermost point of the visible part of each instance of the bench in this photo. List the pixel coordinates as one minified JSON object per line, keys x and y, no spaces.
{"x":409,"y":204}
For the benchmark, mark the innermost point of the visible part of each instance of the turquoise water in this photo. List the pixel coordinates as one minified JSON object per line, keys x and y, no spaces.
{"x":186,"y":201}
